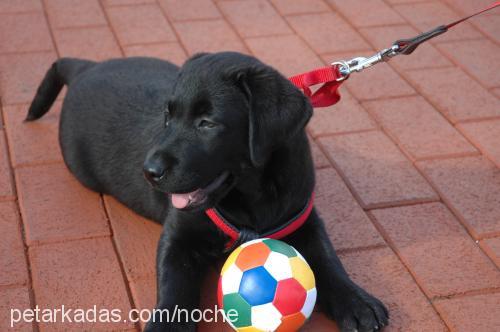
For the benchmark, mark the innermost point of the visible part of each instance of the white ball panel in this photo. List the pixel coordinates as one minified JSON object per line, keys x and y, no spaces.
{"x":266,"y":317}
{"x":278,"y":265}
{"x":308,"y":306}
{"x":231,"y":280}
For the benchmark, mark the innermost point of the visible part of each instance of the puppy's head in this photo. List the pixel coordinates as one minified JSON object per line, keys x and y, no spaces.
{"x":227,"y":112}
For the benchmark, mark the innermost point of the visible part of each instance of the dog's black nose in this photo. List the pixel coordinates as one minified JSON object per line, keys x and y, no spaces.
{"x":154,"y":173}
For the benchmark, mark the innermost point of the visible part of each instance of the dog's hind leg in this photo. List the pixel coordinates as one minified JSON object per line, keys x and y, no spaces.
{"x":62,"y":72}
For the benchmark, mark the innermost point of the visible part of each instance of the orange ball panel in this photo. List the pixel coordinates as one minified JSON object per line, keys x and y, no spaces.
{"x":252,"y":256}
{"x":291,"y":323}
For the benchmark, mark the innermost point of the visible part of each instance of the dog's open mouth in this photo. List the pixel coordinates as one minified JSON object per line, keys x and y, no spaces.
{"x":198,"y":196}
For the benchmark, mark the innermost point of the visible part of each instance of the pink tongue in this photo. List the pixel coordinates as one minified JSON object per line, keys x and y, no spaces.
{"x":180,"y":201}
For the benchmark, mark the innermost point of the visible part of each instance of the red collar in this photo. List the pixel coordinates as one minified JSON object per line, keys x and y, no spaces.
{"x":286,"y":229}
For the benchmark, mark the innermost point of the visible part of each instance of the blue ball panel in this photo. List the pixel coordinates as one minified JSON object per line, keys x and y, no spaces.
{"x":257,"y":286}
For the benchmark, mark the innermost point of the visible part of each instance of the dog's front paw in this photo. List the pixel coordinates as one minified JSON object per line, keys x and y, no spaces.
{"x":356,"y":310}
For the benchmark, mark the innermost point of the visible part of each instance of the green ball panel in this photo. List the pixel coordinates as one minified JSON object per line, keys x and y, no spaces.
{"x":280,"y":246}
{"x":236,"y":302}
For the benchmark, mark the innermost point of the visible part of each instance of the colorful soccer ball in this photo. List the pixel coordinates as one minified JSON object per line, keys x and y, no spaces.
{"x":270,"y":286}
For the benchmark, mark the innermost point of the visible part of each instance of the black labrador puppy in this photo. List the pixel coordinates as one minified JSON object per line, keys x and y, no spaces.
{"x":223,"y":130}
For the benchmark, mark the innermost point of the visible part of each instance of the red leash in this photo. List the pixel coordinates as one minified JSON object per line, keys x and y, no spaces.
{"x":326,"y":95}
{"x":333,"y":76}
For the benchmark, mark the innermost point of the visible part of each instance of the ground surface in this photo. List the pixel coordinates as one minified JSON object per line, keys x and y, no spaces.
{"x":408,"y":162}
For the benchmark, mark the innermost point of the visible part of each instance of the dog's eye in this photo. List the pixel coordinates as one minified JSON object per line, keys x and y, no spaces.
{"x":206,"y":124}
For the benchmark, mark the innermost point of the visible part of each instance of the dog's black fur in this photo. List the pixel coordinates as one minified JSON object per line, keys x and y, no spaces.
{"x":223,"y":113}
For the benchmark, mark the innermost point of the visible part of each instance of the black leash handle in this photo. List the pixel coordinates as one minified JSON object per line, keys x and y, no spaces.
{"x":407,"y":46}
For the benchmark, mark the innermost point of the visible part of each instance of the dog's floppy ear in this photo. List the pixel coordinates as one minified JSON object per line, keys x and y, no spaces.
{"x":278,"y":110}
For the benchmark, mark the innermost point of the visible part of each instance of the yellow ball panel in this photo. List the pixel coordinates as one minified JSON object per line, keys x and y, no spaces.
{"x":248,"y":329}
{"x":302,"y":273}
{"x":231,"y":259}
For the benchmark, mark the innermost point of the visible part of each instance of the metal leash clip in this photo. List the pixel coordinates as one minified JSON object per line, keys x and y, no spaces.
{"x":401,"y":46}
{"x":345,"y":68}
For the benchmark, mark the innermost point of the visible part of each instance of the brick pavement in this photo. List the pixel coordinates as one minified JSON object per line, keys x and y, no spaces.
{"x":408,"y":162}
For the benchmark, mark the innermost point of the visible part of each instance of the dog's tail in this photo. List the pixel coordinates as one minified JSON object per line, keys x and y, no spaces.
{"x":62,"y":72}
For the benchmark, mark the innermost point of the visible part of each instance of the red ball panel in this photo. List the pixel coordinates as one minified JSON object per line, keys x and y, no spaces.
{"x":290,"y":296}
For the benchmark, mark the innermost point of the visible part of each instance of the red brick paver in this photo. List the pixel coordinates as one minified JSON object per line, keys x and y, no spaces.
{"x":110,"y":3}
{"x":29,"y":141}
{"x":465,"y":54}
{"x":189,"y":10}
{"x":327,"y":33}
{"x":289,"y":54}
{"x":363,"y":13}
{"x":419,"y":128}
{"x":21,"y":74}
{"x":74,"y":13}
{"x":488,"y":24}
{"x":382,"y":274}
{"x":472,"y":313}
{"x":79,"y":274}
{"x":136,"y":240}
{"x":381,"y":82}
{"x":15,"y":6}
{"x":144,"y":293}
{"x":140,"y":24}
{"x":348,"y":116}
{"x":471,"y":187}
{"x":192,"y":34}
{"x":6,"y":187}
{"x":346,"y":223}
{"x":484,"y":135}
{"x":492,"y":248}
{"x":286,"y":7}
{"x":56,"y":207}
{"x":94,"y":43}
{"x":455,"y":94}
{"x":24,"y":32}
{"x":254,"y":18}
{"x":319,"y":158}
{"x":437,"y":249}
{"x":408,"y":163}
{"x":14,"y":270}
{"x":14,"y":298}
{"x":376,"y":169}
